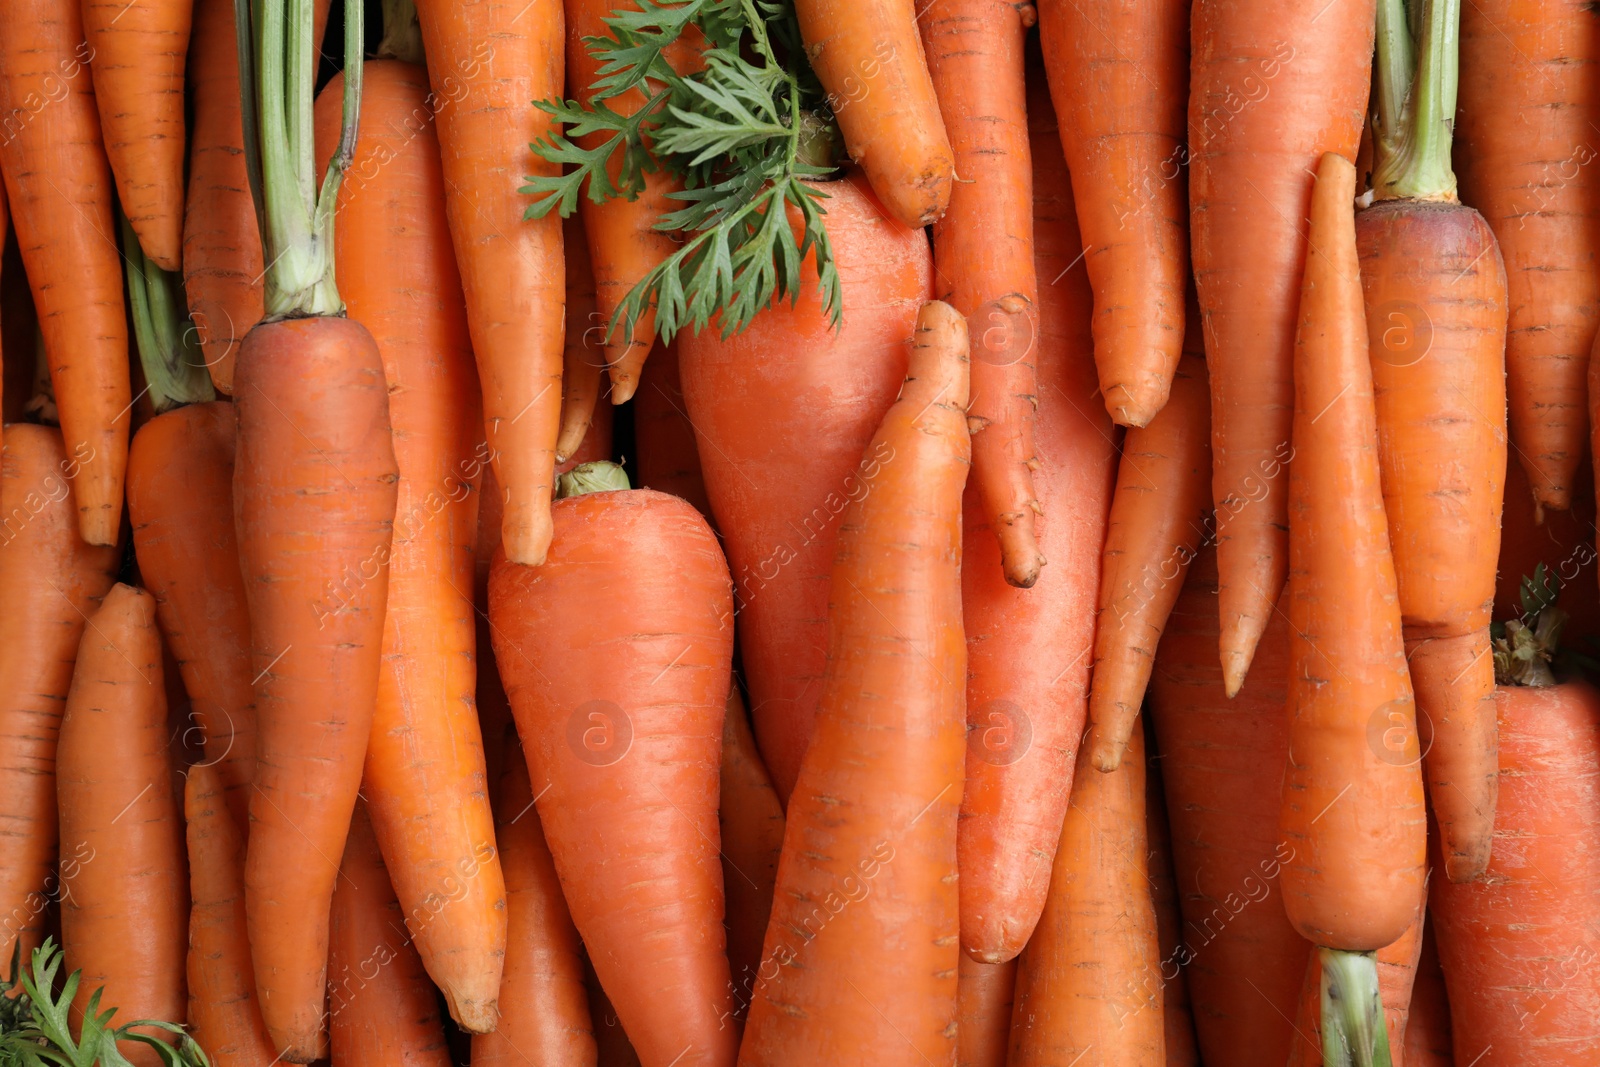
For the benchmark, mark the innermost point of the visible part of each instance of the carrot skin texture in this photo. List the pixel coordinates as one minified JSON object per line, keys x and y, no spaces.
{"x":1091,"y":976}
{"x":983,"y":1012}
{"x":1432,"y":276}
{"x":1352,"y":802}
{"x":314,"y":491}
{"x":122,"y":921}
{"x":751,"y":821}
{"x":60,"y":190}
{"x":1177,"y":1015}
{"x":620,"y":713}
{"x":180,"y":501}
{"x":45,"y":564}
{"x":491,"y":59}
{"x":861,"y":956}
{"x":582,"y":364}
{"x":1523,"y":156}
{"x":782,"y":415}
{"x":669,"y":459}
{"x":1272,"y":87}
{"x":1119,"y":79}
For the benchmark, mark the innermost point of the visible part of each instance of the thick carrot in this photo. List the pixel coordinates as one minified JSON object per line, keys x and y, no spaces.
{"x":314,"y":506}
{"x":424,"y":783}
{"x":751,"y":822}
{"x":782,"y":415}
{"x":1427,"y":1042}
{"x":663,"y":436}
{"x":53,"y":581}
{"x":544,"y":1009}
{"x":1089,"y":983}
{"x":1158,"y":519}
{"x":382,"y":1009}
{"x":983,"y":257}
{"x":581,"y":361}
{"x":1176,"y":1011}
{"x":224,"y":1013}
{"x":616,"y":654}
{"x":861,"y":957}
{"x":180,"y":500}
{"x":490,"y":60}
{"x":1526,"y":149}
{"x":124,"y":911}
{"x":983,"y":1012}
{"x":1119,"y":76}
{"x":59,"y":185}
{"x":1273,"y":85}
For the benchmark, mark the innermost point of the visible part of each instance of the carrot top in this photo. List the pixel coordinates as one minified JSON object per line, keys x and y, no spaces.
{"x":169,"y":350}
{"x":1528,"y":648}
{"x":1418,"y":71}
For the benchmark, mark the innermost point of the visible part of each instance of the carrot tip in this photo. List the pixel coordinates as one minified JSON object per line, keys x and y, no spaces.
{"x":623,"y":386}
{"x":476,"y":1016}
{"x":1467,"y":867}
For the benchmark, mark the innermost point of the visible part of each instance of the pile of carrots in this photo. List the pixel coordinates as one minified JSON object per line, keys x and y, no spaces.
{"x":1149,"y":629}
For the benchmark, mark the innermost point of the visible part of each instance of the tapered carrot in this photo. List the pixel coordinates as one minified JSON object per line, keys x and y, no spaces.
{"x":582,"y":361}
{"x":616,"y":654}
{"x":861,"y":957}
{"x":1427,"y":1042}
{"x":1119,"y":76}
{"x":1176,"y":1012}
{"x":59,"y":186}
{"x":983,"y":257}
{"x":668,"y":458}
{"x":124,"y":912}
{"x":1272,"y":87}
{"x":782,"y":414}
{"x":1089,"y":982}
{"x":751,"y":821}
{"x":54,"y":581}
{"x":983,"y":1012}
{"x":1525,"y":160}
{"x":224,"y":1012}
{"x":544,"y":1010}
{"x":180,"y":500}
{"x":489,"y":60}
{"x":1158,"y":518}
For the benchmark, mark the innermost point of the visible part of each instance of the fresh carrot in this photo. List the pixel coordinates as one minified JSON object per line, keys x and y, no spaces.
{"x":1526,"y":149}
{"x":489,"y":60}
{"x":1158,"y":519}
{"x":616,"y":653}
{"x":983,"y":1012}
{"x":581,"y":361}
{"x":1427,"y":1042}
{"x":1089,"y":982}
{"x":751,"y":822}
{"x":59,"y":186}
{"x":1176,"y":1011}
{"x":663,"y":436}
{"x":861,"y":957}
{"x":224,"y":1013}
{"x":382,"y":1009}
{"x":1273,"y":85}
{"x":782,"y":415}
{"x":1119,"y":79}
{"x":180,"y":500}
{"x":53,"y":581}
{"x":983,"y":257}
{"x":124,"y":910}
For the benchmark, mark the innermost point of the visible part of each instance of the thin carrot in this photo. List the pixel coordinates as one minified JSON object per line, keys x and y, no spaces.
{"x":1177,"y":1014}
{"x":983,"y":1012}
{"x":861,"y":957}
{"x":668,"y":458}
{"x":581,"y":361}
{"x":751,"y":821}
{"x":59,"y":186}
{"x":125,"y":908}
{"x":1273,"y":85}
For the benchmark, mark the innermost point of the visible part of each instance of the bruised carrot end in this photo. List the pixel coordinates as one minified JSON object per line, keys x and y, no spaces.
{"x":98,"y":521}
{"x":475,"y":1015}
{"x":1134,"y":404}
{"x":1240,"y":635}
{"x":525,"y":531}
{"x":300,"y":1044}
{"x":1108,"y":736}
{"x":938,"y":371}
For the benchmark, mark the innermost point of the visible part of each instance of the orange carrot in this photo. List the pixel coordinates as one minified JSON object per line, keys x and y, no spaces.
{"x":581,"y":361}
{"x":1177,"y":1014}
{"x":983,"y":1012}
{"x":861,"y":957}
{"x":668,"y":458}
{"x":751,"y":822}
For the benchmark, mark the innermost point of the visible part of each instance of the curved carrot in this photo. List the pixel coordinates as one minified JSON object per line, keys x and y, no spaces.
{"x":125,"y":906}
{"x":1119,"y":76}
{"x":59,"y":185}
{"x":180,"y":500}
{"x":1273,"y":85}
{"x":54,"y":581}
{"x":861,"y":957}
{"x":1427,"y":1040}
{"x":751,"y":820}
{"x":488,"y":61}
{"x":663,"y":436}
{"x":1176,"y":1012}
{"x":581,"y":363}
{"x":983,"y":1012}
{"x":782,"y":414}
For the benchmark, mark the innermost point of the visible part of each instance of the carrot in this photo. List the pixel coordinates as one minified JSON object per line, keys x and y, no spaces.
{"x":1158,"y":518}
{"x":1089,"y":980}
{"x":124,"y":909}
{"x":611,"y":1043}
{"x":1119,"y":79}
{"x":1352,"y":797}
{"x":616,"y":654}
{"x":382,"y":1009}
{"x":983,"y":1012}
{"x":1397,"y":968}
{"x":1273,"y":85}
{"x":1222,"y":766}
{"x":224,"y":1013}
{"x":180,"y":490}
{"x":668,"y":459}
{"x":861,"y":956}
{"x":751,"y":823}
{"x":544,"y":1010}
{"x":489,"y":60}
{"x":53,"y":582}
{"x":581,"y":363}
{"x":59,"y":186}
{"x":1427,"y":1041}
{"x":782,"y":414}
{"x":1176,"y":1012}
{"x":983,"y":257}
{"x":1525,"y":155}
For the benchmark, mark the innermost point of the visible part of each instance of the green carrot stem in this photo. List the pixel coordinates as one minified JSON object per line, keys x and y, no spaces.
{"x":174,"y":367}
{"x":1353,"y":1029}
{"x":1417,"y":82}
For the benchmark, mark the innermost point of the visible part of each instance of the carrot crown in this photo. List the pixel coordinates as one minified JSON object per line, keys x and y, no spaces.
{"x":1418,"y":66}
{"x":169,"y":352}
{"x":1526,"y":648}
{"x":599,"y":476}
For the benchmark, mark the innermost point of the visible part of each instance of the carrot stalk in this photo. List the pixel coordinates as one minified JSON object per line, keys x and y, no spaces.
{"x":173,"y":364}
